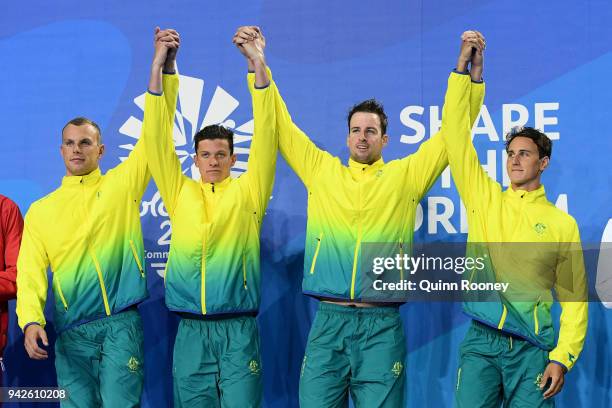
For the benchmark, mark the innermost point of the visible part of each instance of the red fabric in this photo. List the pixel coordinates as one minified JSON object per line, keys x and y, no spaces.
{"x":11,"y":228}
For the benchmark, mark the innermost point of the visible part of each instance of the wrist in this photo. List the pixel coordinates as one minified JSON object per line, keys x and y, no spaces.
{"x":476,"y":73}
{"x":27,"y":326}
{"x":168,"y":66}
{"x":462,"y":64}
{"x":257,"y":62}
{"x":157,"y":65}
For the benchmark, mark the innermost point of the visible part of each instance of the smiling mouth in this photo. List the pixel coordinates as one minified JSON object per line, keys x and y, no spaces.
{"x":362,"y":147}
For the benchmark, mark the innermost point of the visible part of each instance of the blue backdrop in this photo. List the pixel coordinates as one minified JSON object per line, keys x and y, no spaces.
{"x":547,"y":65}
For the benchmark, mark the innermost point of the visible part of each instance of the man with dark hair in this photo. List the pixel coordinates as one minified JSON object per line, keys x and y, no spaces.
{"x":88,"y":230}
{"x":213,"y":275}
{"x":11,"y":228}
{"x":542,"y":142}
{"x":371,"y":106}
{"x":509,"y":354}
{"x":212,"y":132}
{"x":357,"y":344}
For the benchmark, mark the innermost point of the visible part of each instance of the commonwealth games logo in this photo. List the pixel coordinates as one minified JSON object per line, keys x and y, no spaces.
{"x":189,"y":119}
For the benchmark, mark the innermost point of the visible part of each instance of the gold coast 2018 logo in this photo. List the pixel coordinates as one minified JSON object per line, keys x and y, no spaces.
{"x":189,"y":119}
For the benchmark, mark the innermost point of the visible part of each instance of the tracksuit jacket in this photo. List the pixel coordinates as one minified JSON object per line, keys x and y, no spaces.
{"x":527,"y":241}
{"x":360,"y":203}
{"x":88,"y":231}
{"x":213,"y":265}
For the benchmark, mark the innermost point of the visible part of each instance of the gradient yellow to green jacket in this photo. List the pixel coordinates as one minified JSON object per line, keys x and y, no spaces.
{"x":520,"y":220}
{"x":88,"y":231}
{"x":213,"y":265}
{"x":354,"y":204}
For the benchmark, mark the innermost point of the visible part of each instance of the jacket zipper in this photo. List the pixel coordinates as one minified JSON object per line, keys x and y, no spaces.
{"x":357,"y":245}
{"x":316,"y":254}
{"x":136,"y":259}
{"x":401,"y":254}
{"x":244,"y":269}
{"x":203,"y":273}
{"x":96,"y":263}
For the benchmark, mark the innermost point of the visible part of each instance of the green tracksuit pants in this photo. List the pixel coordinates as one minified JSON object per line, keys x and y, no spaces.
{"x":100,"y":363}
{"x":356,"y":350}
{"x":217,"y":363}
{"x":496,"y":368}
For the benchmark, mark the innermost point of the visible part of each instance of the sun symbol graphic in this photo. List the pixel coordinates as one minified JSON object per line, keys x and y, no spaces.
{"x":187,"y":123}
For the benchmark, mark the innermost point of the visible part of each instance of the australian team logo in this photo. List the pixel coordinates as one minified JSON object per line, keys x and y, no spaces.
{"x":192,"y":114}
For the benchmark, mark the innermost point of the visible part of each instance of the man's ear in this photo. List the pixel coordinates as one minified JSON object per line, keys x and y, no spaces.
{"x":385,"y":139}
{"x":544,"y":163}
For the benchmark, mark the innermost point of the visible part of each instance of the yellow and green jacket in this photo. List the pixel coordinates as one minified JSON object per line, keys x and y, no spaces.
{"x":527,"y":242}
{"x":213,"y":265}
{"x":88,"y":231}
{"x":359,"y":203}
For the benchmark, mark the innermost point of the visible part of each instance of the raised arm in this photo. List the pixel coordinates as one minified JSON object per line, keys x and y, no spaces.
{"x":259,"y":176}
{"x":304,"y":157}
{"x":462,"y":101}
{"x":32,"y":286}
{"x":160,"y":106}
{"x":12,"y":226}
{"x":474,"y":185}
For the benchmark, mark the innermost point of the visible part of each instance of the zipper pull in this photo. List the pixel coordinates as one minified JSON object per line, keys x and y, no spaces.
{"x":2,"y":365}
{"x":213,"y":187}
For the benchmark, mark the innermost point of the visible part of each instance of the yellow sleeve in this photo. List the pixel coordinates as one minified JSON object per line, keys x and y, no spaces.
{"x":473,"y":184}
{"x":262,"y":155}
{"x":32,"y":284}
{"x":304,"y":157}
{"x":157,"y":134}
{"x":425,"y":166}
{"x":571,"y":290}
{"x":170,"y":86}
{"x":477,"y":93}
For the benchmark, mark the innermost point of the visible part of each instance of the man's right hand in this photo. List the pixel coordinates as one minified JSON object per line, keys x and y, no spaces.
{"x":33,"y":333}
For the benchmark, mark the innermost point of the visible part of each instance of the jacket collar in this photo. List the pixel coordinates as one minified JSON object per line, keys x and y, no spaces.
{"x":536,"y":195}
{"x":87,"y":179}
{"x":358,"y":170}
{"x":216,"y":187}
